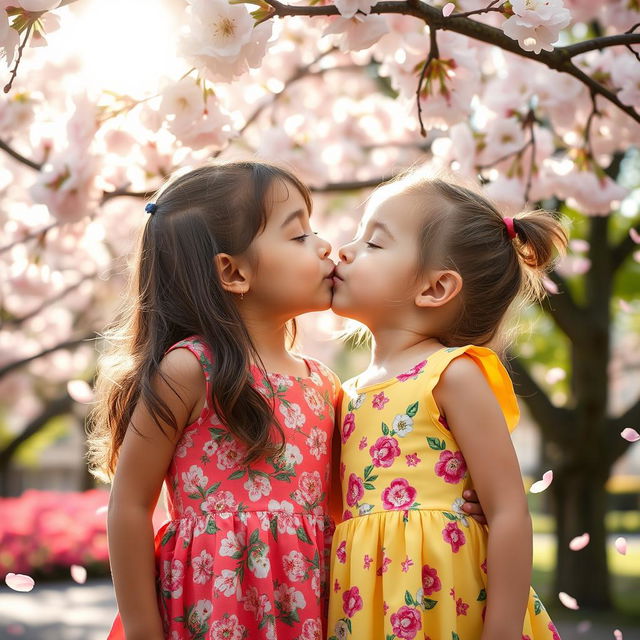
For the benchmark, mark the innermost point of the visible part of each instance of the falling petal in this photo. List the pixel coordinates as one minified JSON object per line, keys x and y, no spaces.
{"x":579,"y":542}
{"x":541,"y":485}
{"x":621,"y":546}
{"x":555,"y":374}
{"x":550,"y":285}
{"x":448,"y":8}
{"x":635,"y":235}
{"x":624,"y":305}
{"x":80,"y":391}
{"x":101,"y":510}
{"x":630,"y":434}
{"x":568,"y":601}
{"x":78,"y":573}
{"x":617,"y":634}
{"x":636,"y":256}
{"x":19,"y":582}
{"x":579,"y":246}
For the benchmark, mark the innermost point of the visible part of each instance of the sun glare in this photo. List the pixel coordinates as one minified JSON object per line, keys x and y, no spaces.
{"x":124,"y":46}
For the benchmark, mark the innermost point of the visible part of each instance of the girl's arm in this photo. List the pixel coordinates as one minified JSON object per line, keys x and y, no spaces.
{"x":478,"y":425}
{"x":142,"y":464}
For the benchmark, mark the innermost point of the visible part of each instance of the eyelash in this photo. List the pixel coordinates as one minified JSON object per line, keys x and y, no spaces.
{"x":304,"y":236}
{"x":372,"y":246}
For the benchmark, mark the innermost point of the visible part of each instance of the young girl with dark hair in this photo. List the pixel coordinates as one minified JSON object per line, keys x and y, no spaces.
{"x":432,"y":272}
{"x":188,"y":396}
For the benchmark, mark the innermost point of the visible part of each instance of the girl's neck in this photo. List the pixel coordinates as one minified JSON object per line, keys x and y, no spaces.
{"x":397,"y":348}
{"x":269,"y":338}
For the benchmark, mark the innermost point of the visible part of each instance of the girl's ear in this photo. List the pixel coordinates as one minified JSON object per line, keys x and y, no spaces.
{"x":439,"y":288}
{"x":232,"y":272}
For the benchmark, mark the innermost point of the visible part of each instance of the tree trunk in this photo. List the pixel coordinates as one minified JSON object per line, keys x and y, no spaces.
{"x":579,"y":502}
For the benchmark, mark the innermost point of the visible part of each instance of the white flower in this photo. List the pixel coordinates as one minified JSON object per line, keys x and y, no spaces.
{"x":349,"y":8}
{"x":457,"y":507}
{"x":536,"y":23}
{"x":293,"y":416}
{"x":257,"y":487}
{"x":182,"y":99}
{"x":222,"y":41}
{"x":357,"y":403}
{"x":292,"y":454}
{"x":402,"y":425}
{"x":259,"y":564}
{"x":359,"y":32}
{"x":194,"y":479}
{"x":38,"y":5}
{"x":227,"y":583}
{"x":232,"y":544}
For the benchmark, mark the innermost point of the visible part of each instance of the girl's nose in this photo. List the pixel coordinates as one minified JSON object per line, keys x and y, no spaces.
{"x":345,"y":253}
{"x":324,"y":248}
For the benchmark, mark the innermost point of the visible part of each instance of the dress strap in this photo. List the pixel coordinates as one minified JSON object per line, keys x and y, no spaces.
{"x":202,"y":352}
{"x":492,"y":369}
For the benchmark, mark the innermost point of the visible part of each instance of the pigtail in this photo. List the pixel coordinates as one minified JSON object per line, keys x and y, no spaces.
{"x":539,"y":239}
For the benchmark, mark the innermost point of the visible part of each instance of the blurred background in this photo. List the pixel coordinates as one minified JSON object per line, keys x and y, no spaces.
{"x":103,"y":101}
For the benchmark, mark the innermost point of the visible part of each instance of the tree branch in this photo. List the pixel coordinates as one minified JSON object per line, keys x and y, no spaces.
{"x":553,"y":421}
{"x":16,"y":322}
{"x":559,"y":59}
{"x":564,"y":309}
{"x":54,"y":408}
{"x":69,"y":344}
{"x":20,"y":158}
{"x":434,"y":54}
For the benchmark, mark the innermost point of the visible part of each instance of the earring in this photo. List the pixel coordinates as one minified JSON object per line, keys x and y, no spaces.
{"x":242,"y":295}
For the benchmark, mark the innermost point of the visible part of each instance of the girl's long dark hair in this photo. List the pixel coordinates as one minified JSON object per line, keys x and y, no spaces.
{"x":176,"y":293}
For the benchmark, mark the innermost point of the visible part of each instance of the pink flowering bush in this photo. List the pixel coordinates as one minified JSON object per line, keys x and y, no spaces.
{"x":45,"y":532}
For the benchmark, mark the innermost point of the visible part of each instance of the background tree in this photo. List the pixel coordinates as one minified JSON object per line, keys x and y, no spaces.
{"x":535,"y":100}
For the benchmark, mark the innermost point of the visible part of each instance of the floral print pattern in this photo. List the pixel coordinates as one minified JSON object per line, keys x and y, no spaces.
{"x":245,"y":552}
{"x":406,"y":562}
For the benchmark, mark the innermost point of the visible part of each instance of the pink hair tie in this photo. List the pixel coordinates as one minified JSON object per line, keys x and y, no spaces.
{"x":510,"y":227}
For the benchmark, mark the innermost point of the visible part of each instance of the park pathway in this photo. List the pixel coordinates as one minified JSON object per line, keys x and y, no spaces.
{"x":68,"y":611}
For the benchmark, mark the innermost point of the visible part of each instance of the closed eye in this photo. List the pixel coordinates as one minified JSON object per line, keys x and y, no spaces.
{"x":373,"y":246}
{"x":301,"y":238}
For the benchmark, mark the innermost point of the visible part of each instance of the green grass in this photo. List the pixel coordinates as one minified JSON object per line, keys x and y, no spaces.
{"x":625,"y":582}
{"x":620,"y":522}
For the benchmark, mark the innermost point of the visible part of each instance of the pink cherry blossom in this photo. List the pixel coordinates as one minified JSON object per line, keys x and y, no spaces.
{"x":359,"y":32}
{"x":349,"y":8}
{"x":222,"y":41}
{"x":630,"y":435}
{"x":536,"y":24}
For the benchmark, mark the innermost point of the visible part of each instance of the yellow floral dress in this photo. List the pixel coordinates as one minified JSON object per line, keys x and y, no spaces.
{"x":406,"y":563}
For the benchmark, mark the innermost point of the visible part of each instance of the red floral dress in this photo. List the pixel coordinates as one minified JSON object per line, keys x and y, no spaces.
{"x":245,"y":552}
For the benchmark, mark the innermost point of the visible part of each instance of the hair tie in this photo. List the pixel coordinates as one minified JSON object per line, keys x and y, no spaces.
{"x":511,"y":228}
{"x":151,"y":208}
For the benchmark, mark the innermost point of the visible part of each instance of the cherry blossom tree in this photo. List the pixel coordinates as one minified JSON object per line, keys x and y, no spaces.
{"x":535,"y":100}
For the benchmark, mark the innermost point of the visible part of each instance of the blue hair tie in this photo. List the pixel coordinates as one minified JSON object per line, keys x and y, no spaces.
{"x":151,"y":208}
